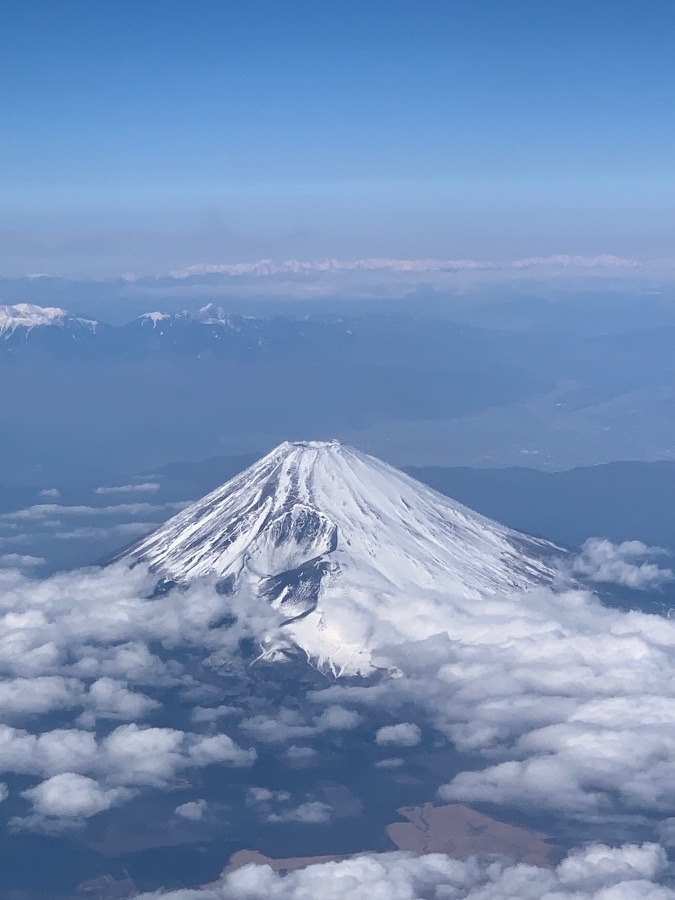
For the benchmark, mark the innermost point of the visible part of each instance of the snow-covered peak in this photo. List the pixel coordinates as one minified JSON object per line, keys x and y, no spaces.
{"x":28,"y":315}
{"x":155,"y":317}
{"x":211,"y":315}
{"x":351,"y":551}
{"x":207,"y":315}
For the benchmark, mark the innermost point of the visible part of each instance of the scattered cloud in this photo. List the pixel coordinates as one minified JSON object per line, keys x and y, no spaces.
{"x":394,"y":762}
{"x":55,"y":511}
{"x":129,"y":755}
{"x":405,"y":734}
{"x":70,"y":796}
{"x":278,"y":807}
{"x":50,"y":493}
{"x":194,"y":810}
{"x":108,"y":698}
{"x":289,"y":724}
{"x":300,"y":756}
{"x":213,"y":713}
{"x":314,"y":812}
{"x":258,"y":795}
{"x":91,"y":532}
{"x":628,"y":563}
{"x":595,"y":872}
{"x":146,"y":487}
{"x":336,"y":718}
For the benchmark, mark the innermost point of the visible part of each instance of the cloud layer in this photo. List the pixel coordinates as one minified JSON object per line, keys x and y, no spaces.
{"x":561,"y":704}
{"x":596,"y":872}
{"x":569,"y":703}
{"x":78,"y":646}
{"x":270,"y":267}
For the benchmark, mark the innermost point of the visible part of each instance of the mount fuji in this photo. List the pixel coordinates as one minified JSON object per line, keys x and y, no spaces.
{"x":352,"y":553}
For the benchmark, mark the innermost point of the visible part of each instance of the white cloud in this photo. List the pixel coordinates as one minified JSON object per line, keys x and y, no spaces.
{"x":72,"y":796}
{"x":394,"y":762}
{"x":315,"y":812}
{"x":212,"y":713}
{"x":300,"y":756}
{"x":52,"y":753}
{"x":21,"y":561}
{"x":596,"y":872}
{"x":145,"y":487}
{"x":258,"y":795}
{"x":194,"y":810}
{"x":108,"y":698}
{"x":153,"y":756}
{"x":555,"y":691}
{"x":37,"y":696}
{"x":131,"y":660}
{"x":82,"y":615}
{"x":50,"y":493}
{"x":336,"y":718}
{"x":143,"y":755}
{"x":130,"y":755}
{"x":123,"y":530}
{"x":219,"y":748}
{"x":405,"y":734}
{"x":289,"y":724}
{"x":628,"y":563}
{"x":278,"y":807}
{"x":46,"y":511}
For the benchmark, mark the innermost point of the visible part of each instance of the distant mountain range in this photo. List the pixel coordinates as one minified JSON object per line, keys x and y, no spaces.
{"x":26,"y":326}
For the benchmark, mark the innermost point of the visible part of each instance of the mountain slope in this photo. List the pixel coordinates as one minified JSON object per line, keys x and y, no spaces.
{"x":352,"y":552}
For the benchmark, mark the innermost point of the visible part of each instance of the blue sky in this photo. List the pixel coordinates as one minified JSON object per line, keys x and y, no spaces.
{"x":347,"y":128}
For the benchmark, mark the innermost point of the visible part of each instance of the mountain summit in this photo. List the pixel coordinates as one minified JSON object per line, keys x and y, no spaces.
{"x":346,"y":548}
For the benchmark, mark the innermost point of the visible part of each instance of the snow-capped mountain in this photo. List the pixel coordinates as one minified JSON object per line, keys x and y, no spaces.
{"x":207,"y":315}
{"x":353,"y":553}
{"x":21,"y":319}
{"x":208,"y":332}
{"x":212,"y":331}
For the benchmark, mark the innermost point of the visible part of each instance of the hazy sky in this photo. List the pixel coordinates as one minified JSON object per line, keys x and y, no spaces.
{"x":160,"y":133}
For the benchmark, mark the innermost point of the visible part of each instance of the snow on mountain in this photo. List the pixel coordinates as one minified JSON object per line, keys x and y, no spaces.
{"x":207,"y":315}
{"x":154,"y":317}
{"x":212,"y":315}
{"x":353,"y":553}
{"x":27,"y":316}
